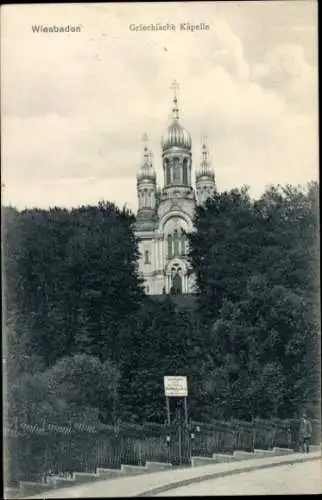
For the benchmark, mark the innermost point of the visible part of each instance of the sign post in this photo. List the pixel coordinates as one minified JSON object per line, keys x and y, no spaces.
{"x":186,"y":411}
{"x":167,"y":403}
{"x":180,"y":439}
{"x":176,"y":387}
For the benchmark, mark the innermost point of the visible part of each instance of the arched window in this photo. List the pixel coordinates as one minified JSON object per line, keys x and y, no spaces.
{"x":183,"y":242}
{"x":151,"y":198}
{"x":176,"y":242}
{"x":185,"y":171}
{"x":147,"y":257}
{"x":169,"y":246}
{"x":176,"y":171}
{"x":167,"y":172}
{"x":176,"y":288}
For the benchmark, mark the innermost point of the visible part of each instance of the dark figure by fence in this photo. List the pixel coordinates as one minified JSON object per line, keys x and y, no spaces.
{"x":305,"y":433}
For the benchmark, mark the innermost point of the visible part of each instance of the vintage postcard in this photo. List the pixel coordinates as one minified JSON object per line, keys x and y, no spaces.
{"x":160,"y":249}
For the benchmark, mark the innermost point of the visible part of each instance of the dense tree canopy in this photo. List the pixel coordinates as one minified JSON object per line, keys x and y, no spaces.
{"x":71,"y":285}
{"x":164,"y":341}
{"x":257,"y":265}
{"x":82,"y":340}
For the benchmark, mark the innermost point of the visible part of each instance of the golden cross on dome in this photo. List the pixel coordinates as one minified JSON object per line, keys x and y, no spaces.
{"x":204,"y":140}
{"x":204,"y":147}
{"x":175,"y":110}
{"x":145,"y":139}
{"x":175,"y":87}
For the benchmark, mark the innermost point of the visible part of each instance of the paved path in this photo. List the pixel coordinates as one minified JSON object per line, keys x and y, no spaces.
{"x":157,"y":482}
{"x":302,"y":478}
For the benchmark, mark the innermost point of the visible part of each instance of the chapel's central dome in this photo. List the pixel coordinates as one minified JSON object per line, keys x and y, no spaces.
{"x":176,"y":136}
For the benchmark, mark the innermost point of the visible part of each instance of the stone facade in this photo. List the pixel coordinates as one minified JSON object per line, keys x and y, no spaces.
{"x":165,"y":216}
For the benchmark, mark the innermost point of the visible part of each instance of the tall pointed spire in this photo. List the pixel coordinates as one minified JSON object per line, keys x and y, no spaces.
{"x":205,"y":169}
{"x":175,"y":109}
{"x":146,"y":170}
{"x":176,"y":135}
{"x":145,"y":139}
{"x":150,"y":158}
{"x":205,"y":176}
{"x":204,"y":151}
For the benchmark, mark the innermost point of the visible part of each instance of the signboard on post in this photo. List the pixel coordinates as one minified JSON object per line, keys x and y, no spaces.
{"x":175,"y":386}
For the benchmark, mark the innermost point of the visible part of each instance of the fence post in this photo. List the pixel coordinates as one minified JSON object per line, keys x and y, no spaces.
{"x":273,"y":435}
{"x":253,"y":434}
{"x":140,"y":452}
{"x":289,"y":436}
{"x":168,"y":441}
{"x":180,"y":441}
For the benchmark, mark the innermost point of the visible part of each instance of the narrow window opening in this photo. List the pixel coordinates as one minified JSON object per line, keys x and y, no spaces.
{"x":147,"y":257}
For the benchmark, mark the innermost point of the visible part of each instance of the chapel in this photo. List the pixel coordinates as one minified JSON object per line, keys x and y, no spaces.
{"x":165,"y":213}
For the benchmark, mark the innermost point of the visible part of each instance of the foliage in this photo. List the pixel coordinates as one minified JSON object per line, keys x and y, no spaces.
{"x":71,"y":282}
{"x":82,"y":341}
{"x":163,"y":342}
{"x":257,"y":270}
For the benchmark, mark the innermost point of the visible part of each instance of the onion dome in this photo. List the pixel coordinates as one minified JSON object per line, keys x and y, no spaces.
{"x":176,"y":135}
{"x":146,"y":171}
{"x":205,"y":169}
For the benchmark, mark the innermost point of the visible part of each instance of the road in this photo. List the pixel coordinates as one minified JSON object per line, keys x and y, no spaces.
{"x":293,"y":479}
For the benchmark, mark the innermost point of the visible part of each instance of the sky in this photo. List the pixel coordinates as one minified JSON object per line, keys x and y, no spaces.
{"x":76,"y":105}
